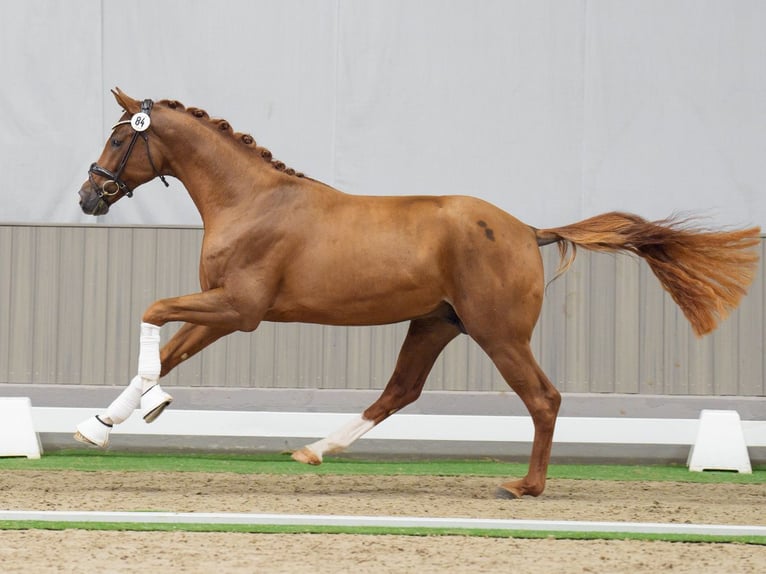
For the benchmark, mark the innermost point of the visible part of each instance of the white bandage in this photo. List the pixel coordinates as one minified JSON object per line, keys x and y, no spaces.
{"x":124,"y":405}
{"x":149,"y":365}
{"x":342,"y":437}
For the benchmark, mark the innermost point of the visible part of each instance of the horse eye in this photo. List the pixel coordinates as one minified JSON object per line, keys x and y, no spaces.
{"x":116,"y":142}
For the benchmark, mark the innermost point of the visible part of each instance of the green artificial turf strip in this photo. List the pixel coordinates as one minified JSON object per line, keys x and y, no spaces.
{"x":94,"y":461}
{"x":373,"y":530}
{"x":283,"y":464}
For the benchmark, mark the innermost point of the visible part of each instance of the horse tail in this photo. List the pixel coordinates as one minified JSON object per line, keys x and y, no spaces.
{"x":705,"y":271}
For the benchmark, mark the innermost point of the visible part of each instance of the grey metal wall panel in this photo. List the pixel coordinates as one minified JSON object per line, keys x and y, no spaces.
{"x":627,"y":320}
{"x":21,"y":327}
{"x":97,"y":310}
{"x":71,"y":307}
{"x":71,"y":300}
{"x":6,"y":257}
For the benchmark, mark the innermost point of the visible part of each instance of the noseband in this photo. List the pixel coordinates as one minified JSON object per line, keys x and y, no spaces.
{"x":114,"y":182}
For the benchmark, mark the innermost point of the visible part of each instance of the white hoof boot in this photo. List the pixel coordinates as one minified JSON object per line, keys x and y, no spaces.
{"x":94,"y":432}
{"x":153,"y":402}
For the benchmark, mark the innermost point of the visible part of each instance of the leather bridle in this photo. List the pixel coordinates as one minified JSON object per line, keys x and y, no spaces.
{"x":114,"y":183}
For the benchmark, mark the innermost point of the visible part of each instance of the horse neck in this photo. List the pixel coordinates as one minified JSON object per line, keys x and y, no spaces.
{"x":218,"y":175}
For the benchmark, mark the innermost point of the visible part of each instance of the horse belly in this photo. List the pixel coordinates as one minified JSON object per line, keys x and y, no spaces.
{"x":355,"y":295}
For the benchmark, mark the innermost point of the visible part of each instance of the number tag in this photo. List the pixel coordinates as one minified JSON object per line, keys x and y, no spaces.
{"x":140,"y":121}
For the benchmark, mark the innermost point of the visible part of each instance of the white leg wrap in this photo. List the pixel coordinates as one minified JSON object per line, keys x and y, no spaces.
{"x":94,"y":431}
{"x":149,"y":365}
{"x":142,"y":391}
{"x":153,"y":398}
{"x":343,"y":437}
{"x":147,"y":383}
{"x":124,"y":405}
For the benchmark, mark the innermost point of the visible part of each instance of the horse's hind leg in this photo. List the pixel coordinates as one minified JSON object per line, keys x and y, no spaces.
{"x":425,"y":340}
{"x":519,"y":368}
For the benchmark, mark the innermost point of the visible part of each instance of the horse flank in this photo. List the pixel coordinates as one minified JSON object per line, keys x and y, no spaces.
{"x":224,"y":127}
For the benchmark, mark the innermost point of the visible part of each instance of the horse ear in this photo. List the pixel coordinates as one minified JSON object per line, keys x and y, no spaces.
{"x":126,"y":102}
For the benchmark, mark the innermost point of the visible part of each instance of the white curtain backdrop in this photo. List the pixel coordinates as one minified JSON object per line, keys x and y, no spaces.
{"x":554,"y":110}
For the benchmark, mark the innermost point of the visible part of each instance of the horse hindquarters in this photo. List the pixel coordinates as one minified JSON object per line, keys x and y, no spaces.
{"x":499,"y":306}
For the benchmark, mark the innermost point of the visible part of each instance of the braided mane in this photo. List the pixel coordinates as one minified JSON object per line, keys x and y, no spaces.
{"x":224,"y":127}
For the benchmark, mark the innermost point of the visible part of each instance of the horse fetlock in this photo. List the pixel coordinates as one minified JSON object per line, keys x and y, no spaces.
{"x":519,"y":488}
{"x":123,"y":406}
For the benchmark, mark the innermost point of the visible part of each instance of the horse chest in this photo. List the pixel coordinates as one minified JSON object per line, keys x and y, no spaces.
{"x":225,"y":258}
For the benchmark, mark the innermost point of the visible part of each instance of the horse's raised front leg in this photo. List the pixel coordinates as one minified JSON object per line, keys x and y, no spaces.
{"x":189,"y":340}
{"x":144,"y":390}
{"x":425,"y":340}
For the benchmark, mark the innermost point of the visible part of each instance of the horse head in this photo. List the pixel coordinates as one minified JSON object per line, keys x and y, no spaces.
{"x":121,"y":167}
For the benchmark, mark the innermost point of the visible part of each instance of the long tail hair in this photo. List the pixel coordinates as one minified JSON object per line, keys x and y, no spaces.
{"x":705,"y":271}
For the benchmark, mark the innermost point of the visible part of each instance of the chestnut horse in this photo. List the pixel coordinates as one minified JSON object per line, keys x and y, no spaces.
{"x":279,"y":246}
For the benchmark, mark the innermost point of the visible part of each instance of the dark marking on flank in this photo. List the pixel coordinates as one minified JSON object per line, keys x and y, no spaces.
{"x":487,"y":231}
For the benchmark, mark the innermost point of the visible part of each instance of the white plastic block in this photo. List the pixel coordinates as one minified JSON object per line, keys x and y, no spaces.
{"x":720,"y":443}
{"x":17,"y":433}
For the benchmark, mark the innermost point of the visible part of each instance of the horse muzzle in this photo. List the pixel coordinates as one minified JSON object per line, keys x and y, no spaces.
{"x":91,"y":202}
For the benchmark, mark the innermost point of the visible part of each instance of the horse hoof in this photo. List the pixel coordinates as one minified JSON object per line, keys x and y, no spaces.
{"x":506,"y":494}
{"x":153,"y":403}
{"x":93,"y":432}
{"x":306,"y":456}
